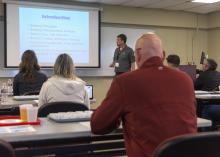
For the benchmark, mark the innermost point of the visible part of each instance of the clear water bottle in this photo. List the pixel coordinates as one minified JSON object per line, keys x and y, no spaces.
{"x":10,"y":87}
{"x":4,"y":93}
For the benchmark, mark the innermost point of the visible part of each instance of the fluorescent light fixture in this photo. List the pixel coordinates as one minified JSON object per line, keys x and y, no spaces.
{"x":206,"y":1}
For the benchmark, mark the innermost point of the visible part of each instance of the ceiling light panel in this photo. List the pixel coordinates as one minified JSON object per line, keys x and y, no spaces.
{"x":205,"y":1}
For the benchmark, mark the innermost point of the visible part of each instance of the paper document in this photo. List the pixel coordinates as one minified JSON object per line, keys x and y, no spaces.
{"x":16,"y":129}
{"x":86,"y":124}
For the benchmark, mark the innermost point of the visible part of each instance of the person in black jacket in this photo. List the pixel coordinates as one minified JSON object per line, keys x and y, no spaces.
{"x":209,"y":79}
{"x":29,"y":79}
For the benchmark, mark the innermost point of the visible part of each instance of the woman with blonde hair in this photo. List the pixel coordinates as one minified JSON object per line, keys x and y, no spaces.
{"x":29,"y":79}
{"x":64,"y":85}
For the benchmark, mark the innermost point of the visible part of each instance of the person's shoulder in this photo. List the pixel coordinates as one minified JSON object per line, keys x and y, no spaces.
{"x":217,"y":72}
{"x":116,"y":49}
{"x":214,"y":74}
{"x":18,"y":75}
{"x":80,"y":81}
{"x":42,"y":74}
{"x":206,"y":73}
{"x":50,"y":81}
{"x":129,"y":48}
{"x":54,"y":78}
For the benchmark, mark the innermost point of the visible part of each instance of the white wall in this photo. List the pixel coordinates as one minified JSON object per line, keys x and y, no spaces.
{"x":186,"y":34}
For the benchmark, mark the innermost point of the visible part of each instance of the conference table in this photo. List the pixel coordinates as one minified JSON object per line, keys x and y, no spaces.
{"x":16,"y":101}
{"x":206,"y":98}
{"x":62,"y":139}
{"x":13,"y":102}
{"x":11,"y":106}
{"x":207,"y":95}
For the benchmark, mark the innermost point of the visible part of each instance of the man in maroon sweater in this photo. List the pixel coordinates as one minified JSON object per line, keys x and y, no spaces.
{"x":154,"y":102}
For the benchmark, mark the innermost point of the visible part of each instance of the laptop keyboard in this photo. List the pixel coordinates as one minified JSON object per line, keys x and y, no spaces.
{"x":71,"y":116}
{"x":26,"y":97}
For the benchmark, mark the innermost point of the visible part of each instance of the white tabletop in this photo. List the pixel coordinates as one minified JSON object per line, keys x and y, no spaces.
{"x":53,"y":130}
{"x":197,"y":92}
{"x":49,"y":129}
{"x":12,"y":102}
{"x":207,"y":94}
{"x":203,"y":122}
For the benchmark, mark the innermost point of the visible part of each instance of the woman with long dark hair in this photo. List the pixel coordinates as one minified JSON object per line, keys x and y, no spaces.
{"x":29,"y":79}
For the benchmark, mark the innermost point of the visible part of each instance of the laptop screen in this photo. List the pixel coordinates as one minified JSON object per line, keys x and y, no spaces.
{"x":89,"y":89}
{"x":190,"y":70}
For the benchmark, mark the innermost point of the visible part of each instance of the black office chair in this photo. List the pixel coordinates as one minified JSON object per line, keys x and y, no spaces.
{"x":32,"y":93}
{"x":192,"y":145}
{"x":61,"y":106}
{"x":6,"y":149}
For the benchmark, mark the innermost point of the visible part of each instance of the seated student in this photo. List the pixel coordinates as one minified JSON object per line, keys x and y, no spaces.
{"x":173,"y":61}
{"x":64,"y":85}
{"x":153,"y":102}
{"x":209,"y":79}
{"x":29,"y":78}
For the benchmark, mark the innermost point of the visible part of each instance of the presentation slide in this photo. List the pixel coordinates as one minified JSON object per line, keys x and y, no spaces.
{"x":50,"y":32}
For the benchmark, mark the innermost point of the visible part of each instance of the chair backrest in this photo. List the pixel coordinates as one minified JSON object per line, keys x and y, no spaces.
{"x":32,"y":93}
{"x":6,"y":149}
{"x":193,"y":145}
{"x":61,"y":106}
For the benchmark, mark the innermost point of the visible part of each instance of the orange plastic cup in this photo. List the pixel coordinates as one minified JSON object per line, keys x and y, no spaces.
{"x":23,"y":111}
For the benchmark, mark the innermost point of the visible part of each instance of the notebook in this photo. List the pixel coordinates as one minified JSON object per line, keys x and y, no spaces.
{"x":89,"y":89}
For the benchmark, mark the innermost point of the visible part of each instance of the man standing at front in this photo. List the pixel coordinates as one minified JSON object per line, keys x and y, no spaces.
{"x":153,"y":102}
{"x":123,"y":60}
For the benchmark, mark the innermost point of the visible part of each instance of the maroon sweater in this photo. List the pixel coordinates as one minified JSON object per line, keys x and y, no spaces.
{"x":154,"y":103}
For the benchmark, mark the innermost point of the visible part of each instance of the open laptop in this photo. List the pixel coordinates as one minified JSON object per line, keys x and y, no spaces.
{"x":190,"y":70}
{"x":89,"y":89}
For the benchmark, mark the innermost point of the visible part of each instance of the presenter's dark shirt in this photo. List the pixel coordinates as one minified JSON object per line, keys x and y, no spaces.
{"x":208,"y":80}
{"x":125,"y":58}
{"x":22,"y":86}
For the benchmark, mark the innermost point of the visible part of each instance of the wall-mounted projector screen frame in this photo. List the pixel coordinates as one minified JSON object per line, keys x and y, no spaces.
{"x":50,"y":30}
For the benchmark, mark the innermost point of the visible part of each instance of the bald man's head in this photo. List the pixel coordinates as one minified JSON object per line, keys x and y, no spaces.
{"x":147,"y":46}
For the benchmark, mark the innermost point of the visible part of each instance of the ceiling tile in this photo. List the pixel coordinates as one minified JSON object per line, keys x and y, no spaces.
{"x":165,"y":3}
{"x":205,"y":8}
{"x":140,"y":3}
{"x":185,"y":5}
{"x":89,"y":1}
{"x":114,"y":2}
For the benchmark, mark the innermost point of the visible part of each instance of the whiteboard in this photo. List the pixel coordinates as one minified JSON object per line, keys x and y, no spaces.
{"x":108,"y":45}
